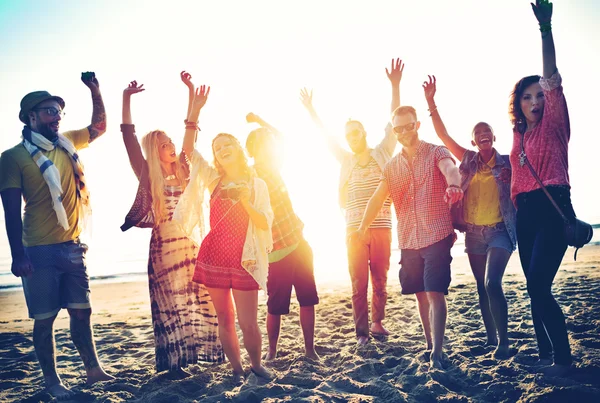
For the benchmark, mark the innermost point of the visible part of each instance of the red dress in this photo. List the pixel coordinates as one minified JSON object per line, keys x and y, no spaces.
{"x":219,"y":261}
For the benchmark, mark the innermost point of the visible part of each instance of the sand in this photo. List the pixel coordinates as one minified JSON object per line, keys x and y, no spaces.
{"x":385,"y":370}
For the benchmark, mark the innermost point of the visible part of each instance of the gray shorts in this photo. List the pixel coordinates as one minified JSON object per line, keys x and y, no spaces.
{"x":426,"y":269}
{"x":59,"y":279}
{"x":480,"y":239}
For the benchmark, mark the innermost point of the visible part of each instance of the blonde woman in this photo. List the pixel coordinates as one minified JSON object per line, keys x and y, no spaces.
{"x":183,"y":317}
{"x":232,"y":261}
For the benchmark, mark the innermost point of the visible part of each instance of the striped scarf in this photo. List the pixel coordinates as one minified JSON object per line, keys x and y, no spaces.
{"x":36,"y":144}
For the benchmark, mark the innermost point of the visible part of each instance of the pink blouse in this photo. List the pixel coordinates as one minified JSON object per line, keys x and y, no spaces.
{"x":546,"y":145}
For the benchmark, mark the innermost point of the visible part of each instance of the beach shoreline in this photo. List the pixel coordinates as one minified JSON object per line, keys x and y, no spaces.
{"x":392,"y":369}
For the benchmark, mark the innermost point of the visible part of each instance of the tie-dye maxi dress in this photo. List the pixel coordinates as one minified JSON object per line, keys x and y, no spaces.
{"x":183,"y":317}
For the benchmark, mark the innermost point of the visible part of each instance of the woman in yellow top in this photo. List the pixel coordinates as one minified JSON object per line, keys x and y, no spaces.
{"x":488,"y":219}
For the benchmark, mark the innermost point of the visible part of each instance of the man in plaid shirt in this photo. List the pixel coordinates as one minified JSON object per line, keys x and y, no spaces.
{"x":422,"y":181}
{"x":291,"y":261}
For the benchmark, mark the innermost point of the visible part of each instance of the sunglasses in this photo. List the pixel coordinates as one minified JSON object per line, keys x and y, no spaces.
{"x":50,"y":111}
{"x":406,"y":128}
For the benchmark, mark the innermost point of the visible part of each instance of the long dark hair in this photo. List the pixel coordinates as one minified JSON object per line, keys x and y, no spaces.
{"x":515,"y":113}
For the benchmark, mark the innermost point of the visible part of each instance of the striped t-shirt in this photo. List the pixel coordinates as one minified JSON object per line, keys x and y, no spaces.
{"x":362,"y":184}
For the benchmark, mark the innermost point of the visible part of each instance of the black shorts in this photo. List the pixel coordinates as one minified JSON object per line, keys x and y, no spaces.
{"x":296,"y":269}
{"x":426,"y":269}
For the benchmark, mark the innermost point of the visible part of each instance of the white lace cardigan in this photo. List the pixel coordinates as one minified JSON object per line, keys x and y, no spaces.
{"x":189,"y":215}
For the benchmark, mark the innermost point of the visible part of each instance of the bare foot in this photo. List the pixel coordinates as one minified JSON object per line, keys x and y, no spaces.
{"x":436,"y":363}
{"x":556,"y":370}
{"x":270,"y":356}
{"x":262,"y":372}
{"x":362,"y":340}
{"x":502,"y":352}
{"x":60,"y":391}
{"x":178,"y":373}
{"x":98,"y":375}
{"x":378,"y":329}
{"x":238,"y":378}
{"x":312,"y":355}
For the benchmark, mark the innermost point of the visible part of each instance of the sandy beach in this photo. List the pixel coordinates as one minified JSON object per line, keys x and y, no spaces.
{"x":392,"y":370}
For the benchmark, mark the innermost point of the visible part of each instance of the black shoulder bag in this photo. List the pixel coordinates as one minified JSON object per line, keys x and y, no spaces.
{"x":577,"y":232}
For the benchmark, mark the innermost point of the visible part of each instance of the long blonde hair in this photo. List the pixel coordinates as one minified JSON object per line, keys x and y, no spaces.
{"x":150,"y":146}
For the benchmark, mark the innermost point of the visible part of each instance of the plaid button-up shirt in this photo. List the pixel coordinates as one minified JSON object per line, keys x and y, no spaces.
{"x":417,"y":191}
{"x":287,"y":227}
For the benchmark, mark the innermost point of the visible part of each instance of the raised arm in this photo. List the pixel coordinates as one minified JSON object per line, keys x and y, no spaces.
{"x":254,"y":118}
{"x":542,"y":9}
{"x":395,"y":75}
{"x":334,"y":146}
{"x":440,"y":129}
{"x":191,"y":126}
{"x":134,"y":151}
{"x":98,"y":126}
{"x":306,"y":98}
{"x":187,"y":80}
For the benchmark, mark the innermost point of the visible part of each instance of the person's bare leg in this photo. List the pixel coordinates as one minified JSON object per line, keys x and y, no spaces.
{"x":273,"y":328}
{"x":83,"y":338}
{"x":423,"y":306}
{"x":307,"y":321}
{"x":45,"y":350}
{"x":223,"y":304}
{"x":497,"y":259}
{"x":246,"y":303}
{"x":478,"y":267}
{"x":437,"y":302}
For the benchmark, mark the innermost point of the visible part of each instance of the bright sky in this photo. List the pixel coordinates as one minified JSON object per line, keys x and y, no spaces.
{"x":256,"y":55}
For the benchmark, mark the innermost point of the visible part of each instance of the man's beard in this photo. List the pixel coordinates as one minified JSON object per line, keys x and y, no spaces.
{"x":408,"y":141}
{"x":46,"y":131}
{"x":360,"y":147}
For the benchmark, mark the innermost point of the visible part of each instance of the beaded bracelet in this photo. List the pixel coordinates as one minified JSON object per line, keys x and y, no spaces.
{"x":431,"y":110}
{"x":191,"y":125}
{"x":545,"y":27}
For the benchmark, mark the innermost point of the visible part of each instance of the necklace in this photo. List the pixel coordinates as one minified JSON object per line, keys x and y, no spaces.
{"x":170,"y":177}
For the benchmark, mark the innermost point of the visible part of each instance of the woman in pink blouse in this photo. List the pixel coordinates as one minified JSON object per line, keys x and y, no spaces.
{"x":538,"y":111}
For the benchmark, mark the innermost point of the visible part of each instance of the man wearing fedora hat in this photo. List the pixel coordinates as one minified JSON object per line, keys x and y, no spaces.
{"x":45,"y":170}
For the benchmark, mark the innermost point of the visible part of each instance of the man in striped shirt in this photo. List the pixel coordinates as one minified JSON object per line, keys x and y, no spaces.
{"x":361,"y":171}
{"x":422,"y":181}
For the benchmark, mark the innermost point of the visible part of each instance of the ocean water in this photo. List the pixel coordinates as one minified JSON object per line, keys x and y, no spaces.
{"x":122,"y":257}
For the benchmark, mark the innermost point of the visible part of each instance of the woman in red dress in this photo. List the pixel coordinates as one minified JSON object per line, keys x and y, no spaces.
{"x":232,"y":262}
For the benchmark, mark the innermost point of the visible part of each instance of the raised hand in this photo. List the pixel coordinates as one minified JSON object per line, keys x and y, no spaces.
{"x":429,"y":89}
{"x":200,"y":96}
{"x":90,"y":80}
{"x":187,"y":79}
{"x":542,"y":9}
{"x":133,"y":88}
{"x":252,"y":118}
{"x":395,"y":71}
{"x":306,"y":98}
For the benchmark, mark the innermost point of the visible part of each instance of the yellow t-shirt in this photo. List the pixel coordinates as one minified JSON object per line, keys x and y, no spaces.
{"x":18,"y":170}
{"x":482,"y":202}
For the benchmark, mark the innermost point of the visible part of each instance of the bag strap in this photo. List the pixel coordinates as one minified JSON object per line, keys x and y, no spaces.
{"x":524,"y":161}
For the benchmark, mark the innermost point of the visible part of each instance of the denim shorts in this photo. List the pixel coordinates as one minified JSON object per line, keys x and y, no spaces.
{"x":59,"y":279}
{"x":426,"y":269}
{"x":479,"y":239}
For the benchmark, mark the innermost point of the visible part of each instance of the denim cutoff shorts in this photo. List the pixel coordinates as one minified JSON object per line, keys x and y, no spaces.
{"x":480,"y":238}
